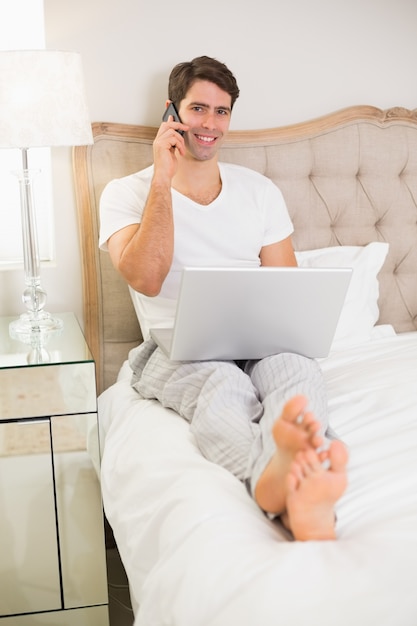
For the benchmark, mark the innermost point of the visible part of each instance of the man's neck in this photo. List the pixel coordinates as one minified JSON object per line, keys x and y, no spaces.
{"x":198,"y":180}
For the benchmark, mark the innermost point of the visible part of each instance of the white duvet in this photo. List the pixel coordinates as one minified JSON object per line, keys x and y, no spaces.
{"x":198,"y":551}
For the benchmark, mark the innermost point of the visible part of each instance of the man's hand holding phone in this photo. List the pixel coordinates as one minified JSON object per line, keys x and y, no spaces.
{"x":171,"y":110}
{"x":168,"y":140}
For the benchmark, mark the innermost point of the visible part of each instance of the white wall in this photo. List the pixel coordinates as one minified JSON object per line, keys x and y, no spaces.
{"x":293,"y":59}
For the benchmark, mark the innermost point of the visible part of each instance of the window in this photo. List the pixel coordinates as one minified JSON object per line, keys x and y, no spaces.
{"x":22,"y":27}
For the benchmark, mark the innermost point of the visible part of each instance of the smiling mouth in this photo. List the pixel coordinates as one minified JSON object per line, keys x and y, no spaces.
{"x":206,"y":139}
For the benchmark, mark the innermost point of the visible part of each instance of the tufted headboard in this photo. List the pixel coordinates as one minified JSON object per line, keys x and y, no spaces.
{"x":348,"y":178}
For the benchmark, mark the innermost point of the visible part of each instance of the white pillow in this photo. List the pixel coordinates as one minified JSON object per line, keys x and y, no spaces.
{"x":360,"y":311}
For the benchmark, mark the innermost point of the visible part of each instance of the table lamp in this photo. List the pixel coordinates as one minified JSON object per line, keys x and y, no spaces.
{"x":42,"y":103}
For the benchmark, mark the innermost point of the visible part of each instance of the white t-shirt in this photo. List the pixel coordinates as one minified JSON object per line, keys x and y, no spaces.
{"x":249,"y":213}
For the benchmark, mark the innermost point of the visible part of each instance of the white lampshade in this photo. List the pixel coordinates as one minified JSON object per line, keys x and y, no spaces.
{"x":42,"y":99}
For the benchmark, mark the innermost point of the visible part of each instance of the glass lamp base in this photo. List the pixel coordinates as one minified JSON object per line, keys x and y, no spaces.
{"x":35,"y":329}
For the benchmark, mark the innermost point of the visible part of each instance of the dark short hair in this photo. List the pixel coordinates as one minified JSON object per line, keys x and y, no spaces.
{"x":185,"y":74}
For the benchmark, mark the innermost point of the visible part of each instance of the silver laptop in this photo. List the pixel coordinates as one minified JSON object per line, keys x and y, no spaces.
{"x":251,"y":313}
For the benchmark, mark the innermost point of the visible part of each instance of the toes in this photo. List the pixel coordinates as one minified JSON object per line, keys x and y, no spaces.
{"x":338,"y":456}
{"x":309,"y":462}
{"x":312,"y":428}
{"x":304,"y":465}
{"x":294,"y":412}
{"x":309,"y":421}
{"x":294,"y":408}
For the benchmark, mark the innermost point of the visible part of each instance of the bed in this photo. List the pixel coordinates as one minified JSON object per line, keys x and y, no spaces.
{"x":196,"y":549}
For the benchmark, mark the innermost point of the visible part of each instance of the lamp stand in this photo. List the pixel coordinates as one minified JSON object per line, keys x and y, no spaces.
{"x":35,"y":326}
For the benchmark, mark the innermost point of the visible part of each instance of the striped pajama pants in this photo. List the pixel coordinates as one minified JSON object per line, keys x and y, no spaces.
{"x":230,"y":406}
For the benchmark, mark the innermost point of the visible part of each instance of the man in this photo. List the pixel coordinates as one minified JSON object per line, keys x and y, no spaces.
{"x":189,"y":209}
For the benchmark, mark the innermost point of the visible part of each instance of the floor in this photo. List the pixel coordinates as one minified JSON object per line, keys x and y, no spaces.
{"x":120,"y":610}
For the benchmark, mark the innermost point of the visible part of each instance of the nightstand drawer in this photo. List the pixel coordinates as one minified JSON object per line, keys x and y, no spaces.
{"x":47,"y":390}
{"x":51,"y":514}
{"x":27,"y":525}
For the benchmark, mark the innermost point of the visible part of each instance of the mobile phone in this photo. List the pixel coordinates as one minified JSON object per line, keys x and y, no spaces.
{"x":171,"y":110}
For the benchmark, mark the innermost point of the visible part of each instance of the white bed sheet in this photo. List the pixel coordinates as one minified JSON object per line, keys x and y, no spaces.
{"x":199,"y":552}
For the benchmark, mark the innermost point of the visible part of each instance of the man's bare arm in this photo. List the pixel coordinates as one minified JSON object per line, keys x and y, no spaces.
{"x":142,"y":253}
{"x":279,"y":254}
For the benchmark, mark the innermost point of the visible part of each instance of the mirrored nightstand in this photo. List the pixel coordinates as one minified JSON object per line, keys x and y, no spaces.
{"x":52,"y":565}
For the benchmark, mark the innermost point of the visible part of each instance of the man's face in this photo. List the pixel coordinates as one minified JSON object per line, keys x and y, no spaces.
{"x":206,"y":109}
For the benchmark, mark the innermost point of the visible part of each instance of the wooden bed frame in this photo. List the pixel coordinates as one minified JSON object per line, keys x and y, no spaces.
{"x":360,"y":157}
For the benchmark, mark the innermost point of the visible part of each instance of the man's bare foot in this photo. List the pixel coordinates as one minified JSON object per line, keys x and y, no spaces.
{"x":313,"y":491}
{"x":293,"y":431}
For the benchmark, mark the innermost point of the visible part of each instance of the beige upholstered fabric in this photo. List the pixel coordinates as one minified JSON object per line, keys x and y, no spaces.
{"x":348,"y":178}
